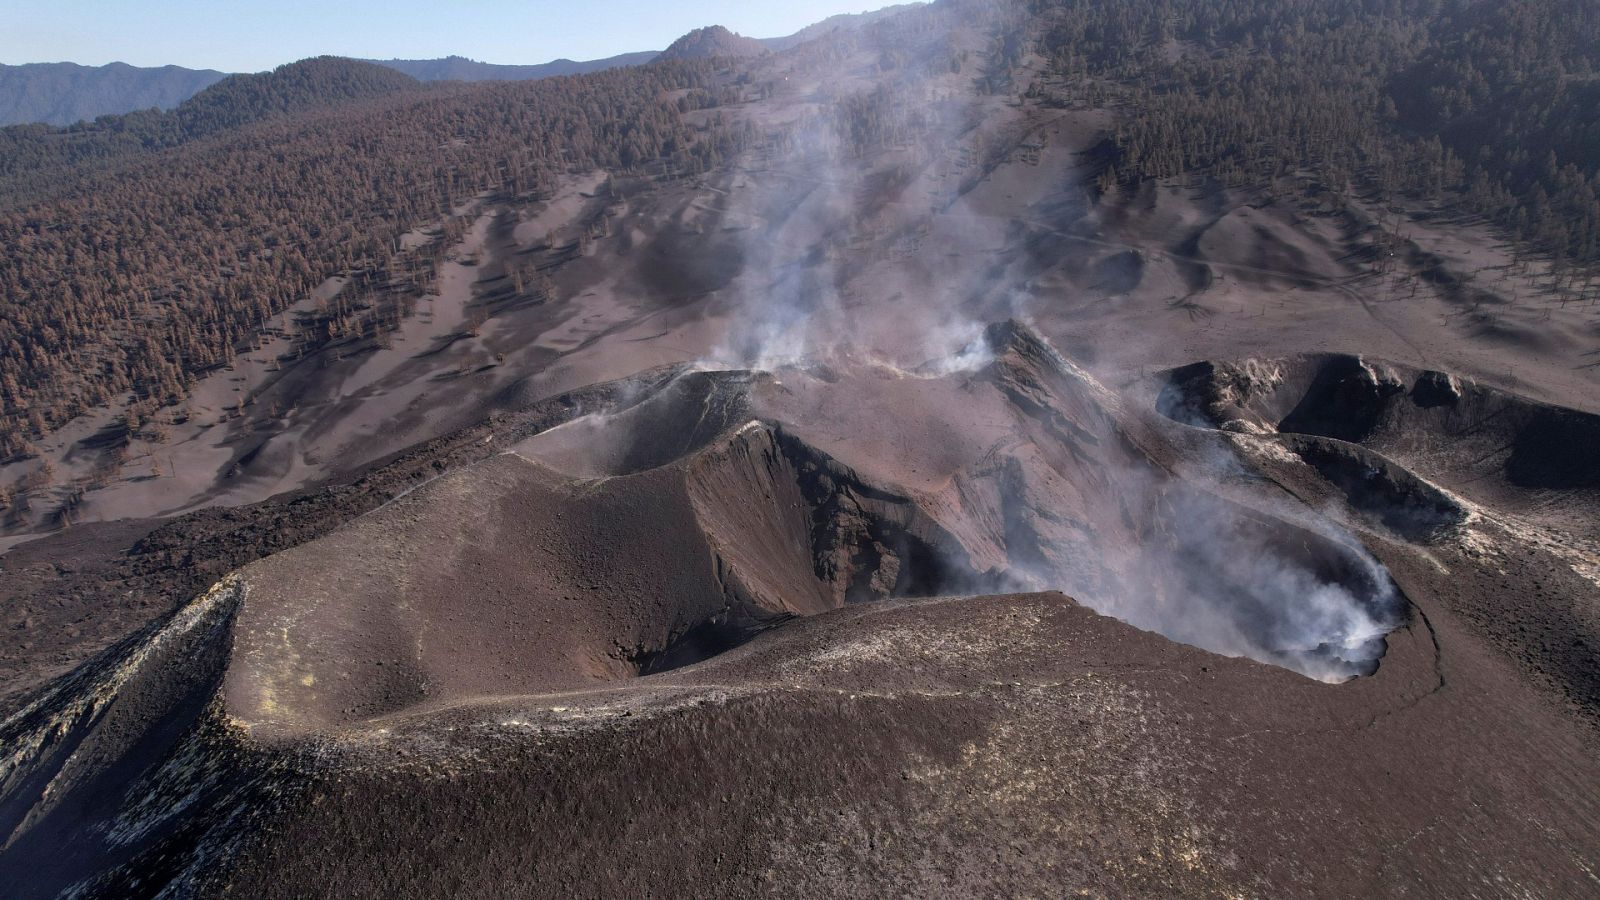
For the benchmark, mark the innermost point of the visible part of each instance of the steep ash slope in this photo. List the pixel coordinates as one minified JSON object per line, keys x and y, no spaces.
{"x":525,"y":664}
{"x":505,"y":578}
{"x":972,"y":747}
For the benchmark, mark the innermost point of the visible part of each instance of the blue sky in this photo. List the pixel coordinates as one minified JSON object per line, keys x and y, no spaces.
{"x":247,"y":35}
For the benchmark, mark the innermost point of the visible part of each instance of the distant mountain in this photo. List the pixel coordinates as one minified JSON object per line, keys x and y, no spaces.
{"x":64,"y":93}
{"x":833,"y":23}
{"x":233,"y":102}
{"x":67,"y":93}
{"x":714,"y":41}
{"x":706,"y":42}
{"x":460,"y":68}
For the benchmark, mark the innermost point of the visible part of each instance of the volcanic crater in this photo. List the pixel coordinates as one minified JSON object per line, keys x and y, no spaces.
{"x":697,"y":512}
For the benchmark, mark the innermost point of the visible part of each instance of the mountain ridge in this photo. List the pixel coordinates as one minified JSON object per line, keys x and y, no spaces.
{"x":462,"y":68}
{"x":64,"y":93}
{"x":832,"y":23}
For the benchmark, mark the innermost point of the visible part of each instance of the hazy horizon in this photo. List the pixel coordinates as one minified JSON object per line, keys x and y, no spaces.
{"x":257,"y":37}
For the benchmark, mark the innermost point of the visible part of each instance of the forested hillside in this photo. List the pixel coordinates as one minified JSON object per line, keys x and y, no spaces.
{"x":1492,"y":105}
{"x":714,"y":41}
{"x":137,"y":277}
{"x":30,"y":153}
{"x":144,"y":249}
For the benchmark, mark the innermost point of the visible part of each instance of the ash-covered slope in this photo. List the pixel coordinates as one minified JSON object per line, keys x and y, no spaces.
{"x":697,"y":598}
{"x":1433,"y":458}
{"x":1472,"y":437}
{"x":505,"y":578}
{"x":623,"y":543}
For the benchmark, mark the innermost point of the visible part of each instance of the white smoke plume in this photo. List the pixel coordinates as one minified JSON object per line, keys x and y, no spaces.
{"x":857,"y":199}
{"x":865,"y":252}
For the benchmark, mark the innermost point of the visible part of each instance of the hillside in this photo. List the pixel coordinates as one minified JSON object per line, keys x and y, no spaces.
{"x":845,"y":21}
{"x":1175,"y":119}
{"x":64,"y":93}
{"x":308,"y":84}
{"x":994,"y":448}
{"x":712,"y":41}
{"x":281,"y":212}
{"x":459,"y":68}
{"x":37,"y":158}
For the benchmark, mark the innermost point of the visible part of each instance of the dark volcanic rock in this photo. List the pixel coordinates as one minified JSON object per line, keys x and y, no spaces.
{"x":608,"y":653}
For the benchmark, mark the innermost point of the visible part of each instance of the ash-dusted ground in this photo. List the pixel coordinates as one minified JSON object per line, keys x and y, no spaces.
{"x":836,"y":656}
{"x":918,"y":521}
